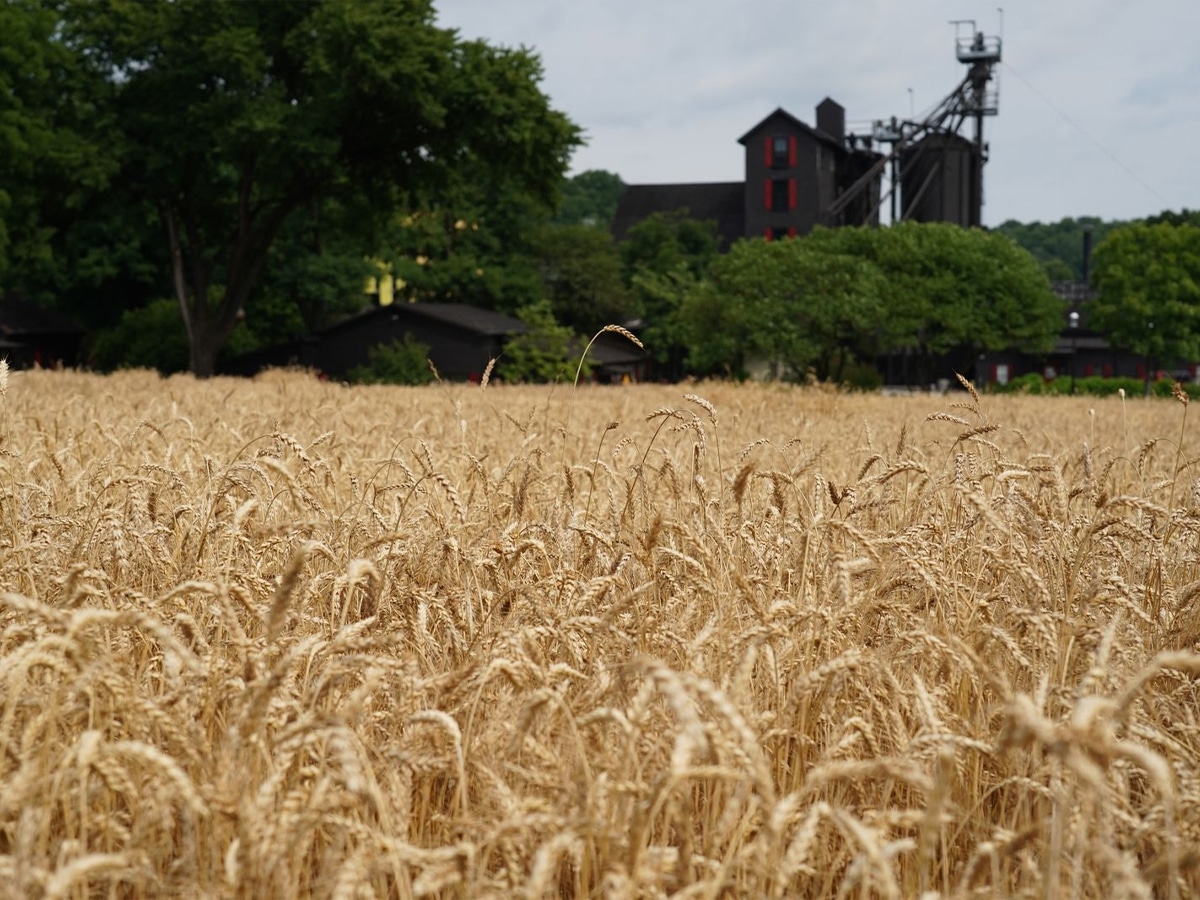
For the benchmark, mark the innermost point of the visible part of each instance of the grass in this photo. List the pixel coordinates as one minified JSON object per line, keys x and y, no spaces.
{"x":288,"y":638}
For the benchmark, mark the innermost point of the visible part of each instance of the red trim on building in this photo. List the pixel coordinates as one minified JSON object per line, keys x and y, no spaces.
{"x":767,"y":234}
{"x":791,"y":232}
{"x":791,"y":193}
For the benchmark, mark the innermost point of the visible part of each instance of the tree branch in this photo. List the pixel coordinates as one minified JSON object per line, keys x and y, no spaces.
{"x":168,"y":217}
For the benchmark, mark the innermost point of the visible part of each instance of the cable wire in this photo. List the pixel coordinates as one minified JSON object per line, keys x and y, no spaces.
{"x":1099,"y":146}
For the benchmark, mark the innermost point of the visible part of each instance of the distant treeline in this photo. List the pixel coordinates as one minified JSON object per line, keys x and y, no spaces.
{"x":1058,"y":246}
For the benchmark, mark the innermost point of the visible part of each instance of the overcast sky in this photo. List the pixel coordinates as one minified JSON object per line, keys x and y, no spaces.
{"x":1099,"y":99}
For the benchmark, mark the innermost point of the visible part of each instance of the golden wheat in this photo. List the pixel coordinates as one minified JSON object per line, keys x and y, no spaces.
{"x":289,"y":638}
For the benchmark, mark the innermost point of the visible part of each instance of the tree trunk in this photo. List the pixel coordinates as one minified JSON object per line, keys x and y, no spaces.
{"x":203,"y":349}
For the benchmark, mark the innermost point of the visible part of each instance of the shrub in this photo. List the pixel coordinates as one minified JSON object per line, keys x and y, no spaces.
{"x":1029,"y":383}
{"x":861,"y":376}
{"x":546,"y":352}
{"x":396,"y":362}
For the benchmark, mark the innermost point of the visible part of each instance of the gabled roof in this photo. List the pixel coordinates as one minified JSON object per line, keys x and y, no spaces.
{"x":20,"y":318}
{"x":611,"y":349}
{"x":782,"y":115}
{"x":467,"y":317}
{"x":460,"y":315}
{"x":722,"y":202}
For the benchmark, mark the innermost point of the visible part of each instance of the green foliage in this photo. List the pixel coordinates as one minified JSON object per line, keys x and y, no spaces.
{"x":590,"y":198}
{"x":665,"y":258}
{"x":1169,"y":217}
{"x":946,"y":288}
{"x":662,"y":242}
{"x":1147,"y":282}
{"x":861,"y":376}
{"x":315,"y":272}
{"x":227,"y":118}
{"x":48,"y":162}
{"x":396,"y":362}
{"x":834,"y":297}
{"x":545,"y":353}
{"x":580,"y":272}
{"x":148,"y":338}
{"x":713,"y":330}
{"x":790,"y":303}
{"x":1057,"y":246}
{"x":152,"y":337}
{"x":463,"y":251}
{"x":1091,"y":385}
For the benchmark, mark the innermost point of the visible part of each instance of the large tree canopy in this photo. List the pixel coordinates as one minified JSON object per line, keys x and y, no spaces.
{"x":44,"y":104}
{"x":946,"y":287}
{"x":790,"y":303}
{"x":230,"y":117}
{"x":816,"y":301}
{"x":590,"y":198}
{"x":1147,"y":280}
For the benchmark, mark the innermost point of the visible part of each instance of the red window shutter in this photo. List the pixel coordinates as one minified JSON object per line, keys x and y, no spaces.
{"x":767,"y":234}
{"x":995,"y":373}
{"x":1108,"y":370}
{"x":791,"y":193}
{"x":1089,"y":370}
{"x":1141,"y":370}
{"x":768,"y":151}
{"x":791,"y":150}
{"x":767,"y":194}
{"x":791,"y":232}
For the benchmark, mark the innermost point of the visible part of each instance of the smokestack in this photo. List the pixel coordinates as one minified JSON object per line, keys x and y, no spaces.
{"x":831,"y":119}
{"x":1087,"y":254}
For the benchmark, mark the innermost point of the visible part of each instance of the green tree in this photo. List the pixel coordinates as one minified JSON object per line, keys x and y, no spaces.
{"x":590,"y":198}
{"x":150,"y":337}
{"x":1169,"y":217}
{"x":791,"y":303}
{"x":233,"y":116}
{"x":665,"y":257}
{"x":947,"y":288}
{"x":46,"y":106}
{"x":1147,"y":283}
{"x":1057,"y":246}
{"x":580,"y":272}
{"x":315,"y":272}
{"x":465,"y":250}
{"x":397,"y":362}
{"x":546,"y":352}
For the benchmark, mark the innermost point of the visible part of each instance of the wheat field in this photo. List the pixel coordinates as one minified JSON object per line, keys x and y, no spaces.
{"x":287,"y":638}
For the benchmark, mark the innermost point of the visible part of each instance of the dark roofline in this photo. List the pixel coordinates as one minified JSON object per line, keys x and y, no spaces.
{"x":20,"y":318}
{"x":459,"y":315}
{"x":792,"y":120}
{"x":722,"y":202}
{"x":468,"y":317}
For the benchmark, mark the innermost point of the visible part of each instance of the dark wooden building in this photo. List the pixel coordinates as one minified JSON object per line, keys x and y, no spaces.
{"x":722,"y":202}
{"x":1079,"y":351}
{"x":461,"y":340}
{"x":794,"y":173}
{"x":31,"y":335}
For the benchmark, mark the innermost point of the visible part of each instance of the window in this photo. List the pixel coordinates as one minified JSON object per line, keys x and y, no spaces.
{"x":779,"y":152}
{"x":778,"y":234}
{"x":780,"y":193}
